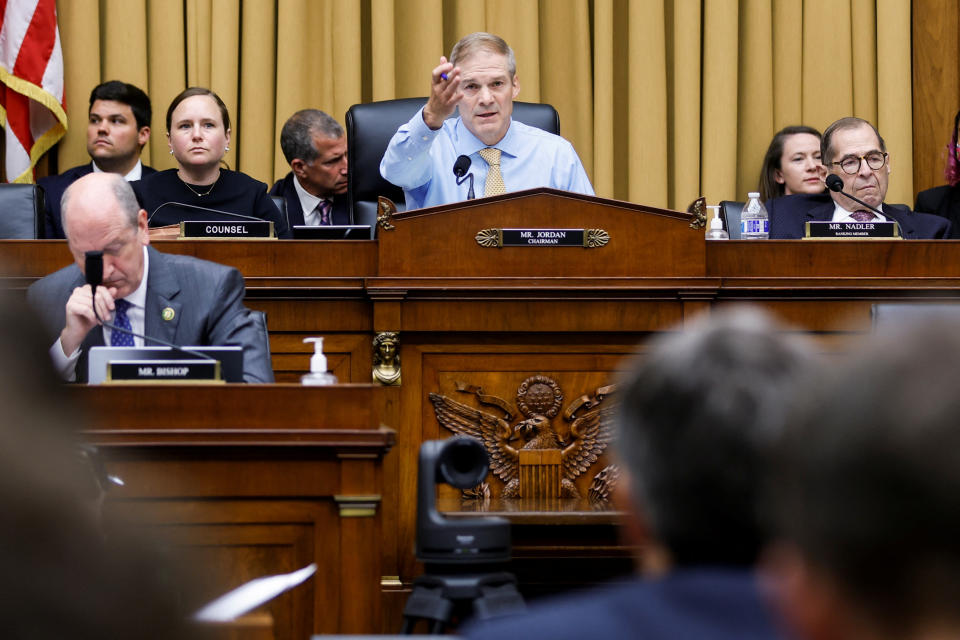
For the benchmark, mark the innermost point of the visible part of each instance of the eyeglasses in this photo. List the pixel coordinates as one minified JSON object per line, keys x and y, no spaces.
{"x":851,"y":165}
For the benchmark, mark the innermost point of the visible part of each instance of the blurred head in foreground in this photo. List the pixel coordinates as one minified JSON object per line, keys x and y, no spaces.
{"x":866,"y":494}
{"x":61,"y":577}
{"x":698,"y":411}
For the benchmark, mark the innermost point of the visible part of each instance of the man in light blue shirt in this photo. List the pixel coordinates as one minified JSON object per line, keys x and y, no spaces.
{"x":481,"y":79}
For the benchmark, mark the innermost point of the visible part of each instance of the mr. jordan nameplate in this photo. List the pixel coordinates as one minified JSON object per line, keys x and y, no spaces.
{"x":585,"y":238}
{"x":219,"y":229}
{"x":879,"y":230}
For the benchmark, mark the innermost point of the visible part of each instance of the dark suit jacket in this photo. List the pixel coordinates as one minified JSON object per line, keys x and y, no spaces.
{"x":943,"y":201}
{"x":689,"y":604}
{"x":53,"y":188}
{"x":207,"y":300}
{"x":285,"y":188}
{"x":789,"y":215}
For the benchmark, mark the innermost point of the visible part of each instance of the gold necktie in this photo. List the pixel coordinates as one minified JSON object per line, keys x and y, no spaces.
{"x":494,"y":185}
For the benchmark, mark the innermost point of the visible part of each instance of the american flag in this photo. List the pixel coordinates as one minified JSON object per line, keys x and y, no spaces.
{"x":31,"y":83}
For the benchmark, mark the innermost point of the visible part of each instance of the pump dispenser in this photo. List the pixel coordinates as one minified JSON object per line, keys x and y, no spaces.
{"x":318,"y":376}
{"x":716,"y":230}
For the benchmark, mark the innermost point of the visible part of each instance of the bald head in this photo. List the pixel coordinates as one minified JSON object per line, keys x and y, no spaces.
{"x":100,"y":213}
{"x":99,"y":194}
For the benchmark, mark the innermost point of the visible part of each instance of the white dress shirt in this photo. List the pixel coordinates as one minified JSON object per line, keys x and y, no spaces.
{"x":309,"y":202}
{"x":842,"y":215}
{"x":135,"y":174}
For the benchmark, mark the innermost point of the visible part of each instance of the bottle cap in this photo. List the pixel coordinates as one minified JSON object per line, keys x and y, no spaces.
{"x":753,"y":194}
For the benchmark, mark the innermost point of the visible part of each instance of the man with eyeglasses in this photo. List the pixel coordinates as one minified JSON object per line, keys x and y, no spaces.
{"x":852,"y":149}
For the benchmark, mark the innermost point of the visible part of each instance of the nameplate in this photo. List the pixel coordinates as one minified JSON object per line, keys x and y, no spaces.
{"x":584,"y":238}
{"x":847,"y":230}
{"x":220,"y":229}
{"x":198,"y":371}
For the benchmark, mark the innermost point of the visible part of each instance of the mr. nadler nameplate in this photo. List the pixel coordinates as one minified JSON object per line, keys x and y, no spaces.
{"x":586,"y":238}
{"x":163,"y":371}
{"x":846,"y":230}
{"x":240,"y":229}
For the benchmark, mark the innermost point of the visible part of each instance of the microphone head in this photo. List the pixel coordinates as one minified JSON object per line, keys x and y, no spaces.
{"x":834,"y":183}
{"x":461,"y":165}
{"x":93,"y":267}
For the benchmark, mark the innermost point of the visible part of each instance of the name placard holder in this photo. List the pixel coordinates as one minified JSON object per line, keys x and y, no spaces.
{"x":239,"y":230}
{"x":163,"y":371}
{"x":583,"y":238}
{"x":886,"y":230}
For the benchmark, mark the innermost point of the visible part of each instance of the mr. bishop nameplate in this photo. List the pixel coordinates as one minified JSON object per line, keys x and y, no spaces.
{"x":220,"y":229}
{"x":584,"y":238}
{"x":853,"y":230}
{"x":164,"y":371}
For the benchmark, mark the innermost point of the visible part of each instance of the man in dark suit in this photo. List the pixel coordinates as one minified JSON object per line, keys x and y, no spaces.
{"x":179,"y":299}
{"x":852,"y":149}
{"x":315,"y":190}
{"x":696,"y":414}
{"x":117,"y":130}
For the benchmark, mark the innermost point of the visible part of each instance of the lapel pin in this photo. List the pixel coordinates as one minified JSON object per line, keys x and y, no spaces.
{"x":168,"y":313}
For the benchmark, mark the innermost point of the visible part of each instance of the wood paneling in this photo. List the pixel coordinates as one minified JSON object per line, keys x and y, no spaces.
{"x":936,"y":86}
{"x":251,"y":480}
{"x":471,"y":314}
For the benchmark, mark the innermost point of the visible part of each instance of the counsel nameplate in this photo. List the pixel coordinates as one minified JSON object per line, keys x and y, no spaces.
{"x":878,"y":230}
{"x":220,"y":229}
{"x":119,"y":371}
{"x":584,"y":238}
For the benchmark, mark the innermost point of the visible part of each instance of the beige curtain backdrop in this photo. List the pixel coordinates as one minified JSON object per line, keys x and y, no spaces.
{"x":665,"y":100}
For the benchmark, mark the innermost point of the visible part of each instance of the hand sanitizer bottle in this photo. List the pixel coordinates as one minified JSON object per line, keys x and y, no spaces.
{"x":716,"y":230}
{"x":318,"y":376}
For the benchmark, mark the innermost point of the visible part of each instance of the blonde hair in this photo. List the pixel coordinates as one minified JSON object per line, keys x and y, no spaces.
{"x":482,"y":41}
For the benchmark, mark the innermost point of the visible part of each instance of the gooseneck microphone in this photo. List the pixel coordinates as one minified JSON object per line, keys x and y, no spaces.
{"x":93,"y":271}
{"x":459,"y":169}
{"x":182,"y":211}
{"x":835,"y":183}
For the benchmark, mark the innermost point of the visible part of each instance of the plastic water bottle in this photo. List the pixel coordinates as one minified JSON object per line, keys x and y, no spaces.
{"x":716,"y":231}
{"x":318,"y":376}
{"x":754,"y":221}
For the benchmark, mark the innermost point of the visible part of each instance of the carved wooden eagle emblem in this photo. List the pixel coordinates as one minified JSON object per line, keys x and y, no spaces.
{"x":539,"y":399}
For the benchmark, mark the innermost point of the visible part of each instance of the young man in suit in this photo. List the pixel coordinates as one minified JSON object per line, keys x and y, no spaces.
{"x":179,"y":299}
{"x":852,"y":149}
{"x":315,"y":188}
{"x":118,"y":127}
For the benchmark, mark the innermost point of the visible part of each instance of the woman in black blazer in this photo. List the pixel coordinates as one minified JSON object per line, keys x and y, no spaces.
{"x":945,"y":200}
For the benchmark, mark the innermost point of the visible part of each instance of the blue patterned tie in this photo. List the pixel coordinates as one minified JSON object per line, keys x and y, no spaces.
{"x":120,"y":319}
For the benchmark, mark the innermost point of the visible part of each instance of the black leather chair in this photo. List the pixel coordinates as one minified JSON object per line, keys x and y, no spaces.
{"x":281,"y":203}
{"x":262,"y":344}
{"x":730,"y":213}
{"x":21,"y":211}
{"x":370,"y":127}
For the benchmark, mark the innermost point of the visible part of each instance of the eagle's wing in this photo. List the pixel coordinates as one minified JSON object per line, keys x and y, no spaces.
{"x":589,"y":434}
{"x":492,"y":431}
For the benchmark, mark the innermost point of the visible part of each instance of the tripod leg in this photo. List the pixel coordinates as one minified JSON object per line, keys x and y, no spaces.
{"x":428,"y":603}
{"x":497,"y":601}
